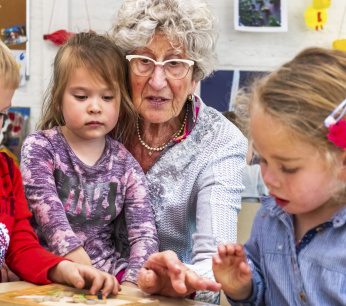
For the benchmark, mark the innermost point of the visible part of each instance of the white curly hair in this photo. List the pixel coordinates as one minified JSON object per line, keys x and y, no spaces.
{"x":189,"y":24}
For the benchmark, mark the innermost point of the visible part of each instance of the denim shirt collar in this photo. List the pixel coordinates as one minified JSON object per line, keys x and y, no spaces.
{"x":338,"y":219}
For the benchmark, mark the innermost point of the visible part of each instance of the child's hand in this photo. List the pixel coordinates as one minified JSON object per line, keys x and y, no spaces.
{"x":79,"y":256}
{"x":232,"y":271}
{"x":80,"y":276}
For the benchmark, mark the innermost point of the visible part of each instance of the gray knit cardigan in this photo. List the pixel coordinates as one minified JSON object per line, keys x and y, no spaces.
{"x":195,"y":188}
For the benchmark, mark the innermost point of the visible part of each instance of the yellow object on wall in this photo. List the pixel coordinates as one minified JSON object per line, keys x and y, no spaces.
{"x":321,"y":4}
{"x":316,"y":14}
{"x":339,"y":44}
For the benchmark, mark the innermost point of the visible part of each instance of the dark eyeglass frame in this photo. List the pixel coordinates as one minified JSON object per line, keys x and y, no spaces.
{"x":189,"y":62}
{"x":3,"y":117}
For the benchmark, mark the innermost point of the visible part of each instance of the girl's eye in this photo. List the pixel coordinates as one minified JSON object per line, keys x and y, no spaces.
{"x":108,"y":98}
{"x":80,"y":97}
{"x":289,"y":170}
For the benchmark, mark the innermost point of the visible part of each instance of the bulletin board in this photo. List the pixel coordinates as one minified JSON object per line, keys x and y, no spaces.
{"x":13,"y":23}
{"x":14,"y":32}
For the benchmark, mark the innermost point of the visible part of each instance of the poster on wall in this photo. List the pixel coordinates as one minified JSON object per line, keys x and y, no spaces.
{"x":260,"y":16}
{"x":220,"y":89}
{"x":13,"y":32}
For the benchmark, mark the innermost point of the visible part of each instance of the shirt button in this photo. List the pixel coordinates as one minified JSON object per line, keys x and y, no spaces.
{"x":302,"y":296}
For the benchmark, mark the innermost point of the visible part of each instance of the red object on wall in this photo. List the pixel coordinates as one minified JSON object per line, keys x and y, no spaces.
{"x":59,"y":37}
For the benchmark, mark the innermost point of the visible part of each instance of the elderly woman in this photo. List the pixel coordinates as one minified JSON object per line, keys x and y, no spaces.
{"x":193,"y":157}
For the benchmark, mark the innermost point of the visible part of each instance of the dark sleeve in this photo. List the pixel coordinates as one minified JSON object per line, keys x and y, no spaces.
{"x":25,"y":256}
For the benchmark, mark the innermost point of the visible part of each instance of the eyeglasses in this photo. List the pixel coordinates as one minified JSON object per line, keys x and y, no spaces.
{"x":3,"y":117}
{"x":330,"y":119}
{"x":175,"y":69}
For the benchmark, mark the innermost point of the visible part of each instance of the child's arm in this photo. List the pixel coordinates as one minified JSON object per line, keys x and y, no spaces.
{"x":253,"y":260}
{"x":25,"y":257}
{"x":33,"y":263}
{"x":140,"y":221}
{"x":80,"y":256}
{"x":232,"y":271}
{"x":39,"y":163}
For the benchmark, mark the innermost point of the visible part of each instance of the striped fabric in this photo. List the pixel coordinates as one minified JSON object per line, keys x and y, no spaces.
{"x":316,"y":276}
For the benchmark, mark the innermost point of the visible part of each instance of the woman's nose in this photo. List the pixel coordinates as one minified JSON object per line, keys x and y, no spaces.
{"x":158,"y":78}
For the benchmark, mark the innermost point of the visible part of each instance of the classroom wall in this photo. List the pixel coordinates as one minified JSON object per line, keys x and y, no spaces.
{"x":236,"y":50}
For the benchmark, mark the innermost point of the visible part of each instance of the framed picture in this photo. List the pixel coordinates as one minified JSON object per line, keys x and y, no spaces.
{"x":260,"y":15}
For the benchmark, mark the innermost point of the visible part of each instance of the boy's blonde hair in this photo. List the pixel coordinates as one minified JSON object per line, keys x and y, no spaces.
{"x":9,"y":70}
{"x":302,"y":93}
{"x":103,"y":60}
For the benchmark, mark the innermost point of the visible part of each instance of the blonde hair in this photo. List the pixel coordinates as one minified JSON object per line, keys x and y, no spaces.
{"x":9,"y":70}
{"x":190,"y":24}
{"x":100,"y":56}
{"x":302,"y":93}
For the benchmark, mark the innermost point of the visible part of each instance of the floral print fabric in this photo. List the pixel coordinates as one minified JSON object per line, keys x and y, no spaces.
{"x":76,"y":205}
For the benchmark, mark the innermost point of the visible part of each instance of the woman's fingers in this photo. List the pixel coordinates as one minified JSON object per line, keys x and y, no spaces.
{"x":195,"y":282}
{"x":165,"y":274}
{"x":148,"y":281}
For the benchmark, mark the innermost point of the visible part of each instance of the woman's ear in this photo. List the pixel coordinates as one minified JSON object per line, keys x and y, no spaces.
{"x":194,"y":84}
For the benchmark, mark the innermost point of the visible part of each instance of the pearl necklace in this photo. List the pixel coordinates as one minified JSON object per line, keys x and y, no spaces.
{"x":165,"y":144}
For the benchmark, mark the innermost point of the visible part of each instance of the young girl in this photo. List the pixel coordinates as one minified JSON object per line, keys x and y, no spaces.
{"x":296,"y":253}
{"x":77,"y":179}
{"x":18,"y":243}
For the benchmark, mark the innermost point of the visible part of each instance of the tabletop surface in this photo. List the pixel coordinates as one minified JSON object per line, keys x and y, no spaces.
{"x":5,"y":287}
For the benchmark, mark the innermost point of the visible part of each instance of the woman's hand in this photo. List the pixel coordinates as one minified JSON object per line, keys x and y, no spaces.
{"x":79,"y":255}
{"x":80,"y":276}
{"x":165,"y":274}
{"x":232,"y":271}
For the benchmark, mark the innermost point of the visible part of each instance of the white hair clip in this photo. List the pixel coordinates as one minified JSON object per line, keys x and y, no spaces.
{"x":330,"y":120}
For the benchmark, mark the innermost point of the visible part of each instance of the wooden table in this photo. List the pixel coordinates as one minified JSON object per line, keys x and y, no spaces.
{"x":6,"y":287}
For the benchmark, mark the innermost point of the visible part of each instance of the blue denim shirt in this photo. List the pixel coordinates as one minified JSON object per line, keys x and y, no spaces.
{"x":316,"y":276}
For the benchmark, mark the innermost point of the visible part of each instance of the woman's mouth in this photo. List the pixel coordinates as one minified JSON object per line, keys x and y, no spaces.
{"x":157,"y":100}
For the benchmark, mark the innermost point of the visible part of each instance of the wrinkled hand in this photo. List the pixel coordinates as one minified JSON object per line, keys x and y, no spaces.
{"x":79,"y":255}
{"x":82,"y":276}
{"x":232,"y":271}
{"x":165,"y":274}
